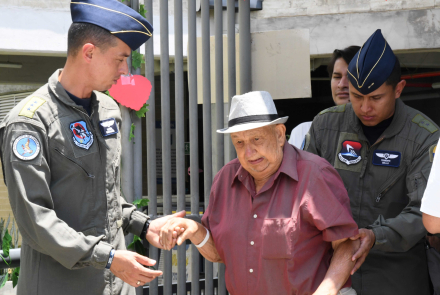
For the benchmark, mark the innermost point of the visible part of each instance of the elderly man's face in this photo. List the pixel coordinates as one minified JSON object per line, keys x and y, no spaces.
{"x":260,"y":151}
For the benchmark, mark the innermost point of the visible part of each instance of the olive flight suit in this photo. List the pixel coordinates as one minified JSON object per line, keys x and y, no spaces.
{"x":385,"y":182}
{"x":61,"y":168}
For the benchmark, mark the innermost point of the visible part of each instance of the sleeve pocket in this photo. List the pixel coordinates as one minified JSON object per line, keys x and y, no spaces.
{"x":277,"y":238}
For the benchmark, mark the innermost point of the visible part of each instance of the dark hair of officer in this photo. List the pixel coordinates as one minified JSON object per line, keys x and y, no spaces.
{"x":395,"y":76}
{"x":347,"y":54}
{"x":82,"y":33}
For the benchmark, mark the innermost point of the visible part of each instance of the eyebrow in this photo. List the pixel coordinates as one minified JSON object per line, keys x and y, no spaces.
{"x":124,"y":54}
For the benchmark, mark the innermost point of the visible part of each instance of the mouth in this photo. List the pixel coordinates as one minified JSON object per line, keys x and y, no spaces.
{"x":368,"y":118}
{"x":343,"y":94}
{"x":257,"y":161}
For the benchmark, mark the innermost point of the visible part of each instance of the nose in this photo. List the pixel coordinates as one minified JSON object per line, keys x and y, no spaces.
{"x":249,"y":151}
{"x":124,"y":68}
{"x":366,"y":106}
{"x":343,"y":83}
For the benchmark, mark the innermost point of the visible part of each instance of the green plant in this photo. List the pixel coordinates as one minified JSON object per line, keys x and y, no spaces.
{"x":8,"y":242}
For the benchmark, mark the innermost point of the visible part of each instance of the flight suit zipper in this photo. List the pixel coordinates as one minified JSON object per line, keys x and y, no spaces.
{"x":388,"y":187}
{"x":74,"y":162}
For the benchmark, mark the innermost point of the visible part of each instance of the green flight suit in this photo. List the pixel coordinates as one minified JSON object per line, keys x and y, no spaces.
{"x":63,"y":182}
{"x":385,"y":196}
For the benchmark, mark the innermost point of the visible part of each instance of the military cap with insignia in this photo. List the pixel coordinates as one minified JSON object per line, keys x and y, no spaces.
{"x":372,"y":65}
{"x":117,"y":18}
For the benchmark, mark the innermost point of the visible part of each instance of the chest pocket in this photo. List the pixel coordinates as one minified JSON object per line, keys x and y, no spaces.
{"x":277,"y":238}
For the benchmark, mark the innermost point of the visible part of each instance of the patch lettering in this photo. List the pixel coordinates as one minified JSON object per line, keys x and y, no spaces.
{"x":31,"y":107}
{"x":81,"y":135}
{"x":350,"y":153}
{"x":26,"y":147}
{"x":387,"y":158}
{"x":108,"y":127}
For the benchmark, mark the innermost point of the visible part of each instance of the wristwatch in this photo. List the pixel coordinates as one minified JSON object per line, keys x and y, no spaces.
{"x":145,"y":230}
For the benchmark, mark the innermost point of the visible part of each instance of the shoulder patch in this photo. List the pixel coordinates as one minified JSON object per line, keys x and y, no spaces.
{"x":424,"y":123}
{"x":335,"y":109}
{"x":31,"y":106}
{"x":26,"y":147}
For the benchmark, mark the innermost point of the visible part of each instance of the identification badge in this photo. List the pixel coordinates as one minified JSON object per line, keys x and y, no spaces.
{"x":387,"y":158}
{"x":350,"y":153}
{"x":108,"y":127}
{"x":26,"y":147}
{"x":81,"y":135}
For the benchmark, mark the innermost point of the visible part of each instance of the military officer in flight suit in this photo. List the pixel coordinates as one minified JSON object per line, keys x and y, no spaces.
{"x":61,"y":150}
{"x":382,"y":149}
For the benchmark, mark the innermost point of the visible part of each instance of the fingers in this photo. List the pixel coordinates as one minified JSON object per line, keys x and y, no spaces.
{"x":179,"y":214}
{"x":356,"y":237}
{"x":358,"y":264}
{"x":145,"y":260}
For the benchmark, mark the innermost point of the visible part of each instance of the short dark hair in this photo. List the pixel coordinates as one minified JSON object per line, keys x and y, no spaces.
{"x":347,"y":54}
{"x":395,"y":76}
{"x":82,"y":33}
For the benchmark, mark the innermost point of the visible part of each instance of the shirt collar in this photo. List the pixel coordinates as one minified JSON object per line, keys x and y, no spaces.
{"x":288,"y":165}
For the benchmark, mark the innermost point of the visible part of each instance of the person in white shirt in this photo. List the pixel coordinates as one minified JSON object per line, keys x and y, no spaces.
{"x":431,"y":197}
{"x":337,"y":70}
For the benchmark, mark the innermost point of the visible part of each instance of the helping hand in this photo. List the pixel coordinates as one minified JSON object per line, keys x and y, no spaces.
{"x":368,"y":239}
{"x":156,"y":225}
{"x":177,"y":230}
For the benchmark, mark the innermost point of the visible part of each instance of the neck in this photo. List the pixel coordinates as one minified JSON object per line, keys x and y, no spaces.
{"x":73,"y":80}
{"x":259,"y":183}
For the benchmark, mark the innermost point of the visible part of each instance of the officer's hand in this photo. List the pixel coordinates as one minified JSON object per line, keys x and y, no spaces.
{"x":129,"y":267}
{"x":156,"y":225}
{"x":368,"y":239}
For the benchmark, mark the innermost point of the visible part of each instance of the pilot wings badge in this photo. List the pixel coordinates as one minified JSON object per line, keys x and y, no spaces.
{"x":386,"y":158}
{"x":350,"y":153}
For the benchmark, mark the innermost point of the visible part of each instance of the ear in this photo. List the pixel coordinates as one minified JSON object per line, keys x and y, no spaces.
{"x":399,"y":88}
{"x":281,"y":133}
{"x":87,"y":52}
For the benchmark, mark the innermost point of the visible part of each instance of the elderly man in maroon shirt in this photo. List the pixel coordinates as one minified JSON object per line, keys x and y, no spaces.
{"x":278,"y":217}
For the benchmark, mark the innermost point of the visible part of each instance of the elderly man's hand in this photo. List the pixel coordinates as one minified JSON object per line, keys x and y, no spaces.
{"x":177,"y":230}
{"x":156,"y":225}
{"x":129,"y":267}
{"x":368,"y":239}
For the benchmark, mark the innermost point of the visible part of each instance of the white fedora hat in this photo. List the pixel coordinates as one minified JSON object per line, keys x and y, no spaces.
{"x":252,"y":110}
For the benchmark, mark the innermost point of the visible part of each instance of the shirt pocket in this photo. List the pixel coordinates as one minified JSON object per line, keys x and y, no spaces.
{"x":277,"y":238}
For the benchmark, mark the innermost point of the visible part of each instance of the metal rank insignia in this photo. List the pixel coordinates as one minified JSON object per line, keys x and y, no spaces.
{"x":82,"y":137}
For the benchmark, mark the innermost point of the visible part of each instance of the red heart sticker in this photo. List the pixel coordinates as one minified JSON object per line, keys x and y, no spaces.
{"x":131,"y":91}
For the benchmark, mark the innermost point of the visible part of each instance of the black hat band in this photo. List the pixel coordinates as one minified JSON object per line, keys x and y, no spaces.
{"x":252,"y":119}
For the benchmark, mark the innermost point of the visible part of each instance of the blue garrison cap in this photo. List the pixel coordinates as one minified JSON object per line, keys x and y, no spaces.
{"x":117,"y":18}
{"x":372,"y":65}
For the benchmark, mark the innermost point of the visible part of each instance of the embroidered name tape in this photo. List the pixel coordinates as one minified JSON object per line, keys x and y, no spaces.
{"x":350,"y":153}
{"x":81,"y":135}
{"x":26,"y":147}
{"x":108,"y":127}
{"x":387,"y":158}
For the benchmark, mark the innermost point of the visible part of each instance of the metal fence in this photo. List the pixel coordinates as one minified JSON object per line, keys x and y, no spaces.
{"x":132,"y":153}
{"x":244,"y":60}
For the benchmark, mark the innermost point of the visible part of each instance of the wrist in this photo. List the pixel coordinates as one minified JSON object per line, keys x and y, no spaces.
{"x":198,"y":237}
{"x":110,"y":258}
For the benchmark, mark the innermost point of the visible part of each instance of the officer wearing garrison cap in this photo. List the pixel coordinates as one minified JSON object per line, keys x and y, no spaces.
{"x":382,"y":149}
{"x":62,"y":169}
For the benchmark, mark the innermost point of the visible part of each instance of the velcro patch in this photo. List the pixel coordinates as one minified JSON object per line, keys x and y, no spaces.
{"x":387,"y":158}
{"x":31,"y":106}
{"x":108,"y":127}
{"x":26,"y":147}
{"x":424,"y":123}
{"x":335,"y":109}
{"x":432,"y":150}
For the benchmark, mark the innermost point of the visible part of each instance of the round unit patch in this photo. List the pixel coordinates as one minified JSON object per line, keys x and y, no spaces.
{"x":26,"y":147}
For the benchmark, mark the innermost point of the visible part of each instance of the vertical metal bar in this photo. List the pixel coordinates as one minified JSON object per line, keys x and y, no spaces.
{"x":244,"y":21}
{"x":219,"y":104}
{"x":127,"y":169}
{"x":137,"y":146}
{"x":193,"y":133}
{"x":151,"y":138}
{"x":207,"y":131}
{"x":231,"y":65}
{"x":180,"y":137}
{"x":166,"y":133}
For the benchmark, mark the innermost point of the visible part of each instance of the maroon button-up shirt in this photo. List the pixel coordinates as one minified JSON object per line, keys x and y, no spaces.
{"x":278,"y":241}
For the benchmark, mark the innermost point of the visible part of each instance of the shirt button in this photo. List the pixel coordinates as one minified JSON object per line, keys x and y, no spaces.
{"x":255,"y":215}
{"x":251,"y":270}
{"x":252,"y":243}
